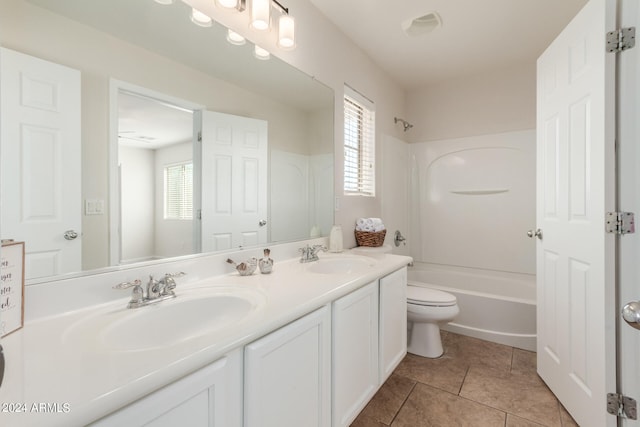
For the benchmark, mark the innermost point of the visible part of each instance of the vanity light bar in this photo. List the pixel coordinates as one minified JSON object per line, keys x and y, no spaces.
{"x":260,"y":20}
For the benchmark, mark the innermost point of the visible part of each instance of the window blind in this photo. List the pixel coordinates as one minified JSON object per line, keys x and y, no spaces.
{"x":359,"y":146}
{"x":178,"y":191}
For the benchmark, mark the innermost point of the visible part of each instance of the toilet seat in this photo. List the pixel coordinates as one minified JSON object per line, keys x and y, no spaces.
{"x":419,"y":295}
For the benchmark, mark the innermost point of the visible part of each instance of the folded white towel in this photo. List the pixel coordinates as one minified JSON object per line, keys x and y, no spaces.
{"x":361,"y":223}
{"x":369,"y":224}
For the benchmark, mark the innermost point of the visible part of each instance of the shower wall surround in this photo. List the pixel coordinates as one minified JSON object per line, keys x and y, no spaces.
{"x":472,"y":201}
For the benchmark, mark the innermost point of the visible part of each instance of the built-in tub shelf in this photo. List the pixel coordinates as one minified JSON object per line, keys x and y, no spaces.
{"x":479,"y":192}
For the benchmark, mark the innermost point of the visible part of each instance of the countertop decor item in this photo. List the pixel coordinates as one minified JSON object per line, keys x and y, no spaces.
{"x":370,"y":232}
{"x":245,"y":268}
{"x":11,"y":287}
{"x":266,"y":263}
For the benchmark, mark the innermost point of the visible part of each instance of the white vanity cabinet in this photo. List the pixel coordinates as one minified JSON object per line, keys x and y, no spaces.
{"x":287,"y":380}
{"x":393,"y":321}
{"x":355,"y":352}
{"x":209,"y":397}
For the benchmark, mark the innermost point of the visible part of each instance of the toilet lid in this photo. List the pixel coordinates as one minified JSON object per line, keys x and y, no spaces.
{"x":427,"y":296}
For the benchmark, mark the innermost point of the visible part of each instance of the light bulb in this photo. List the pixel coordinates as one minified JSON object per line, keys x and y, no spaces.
{"x":229,"y":4}
{"x":235,"y":38}
{"x":286,"y":32}
{"x":260,"y":14}
{"x":200,"y":18}
{"x":261,"y":53}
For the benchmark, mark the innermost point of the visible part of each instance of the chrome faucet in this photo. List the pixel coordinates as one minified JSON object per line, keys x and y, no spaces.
{"x":157,"y":290}
{"x":310,"y":253}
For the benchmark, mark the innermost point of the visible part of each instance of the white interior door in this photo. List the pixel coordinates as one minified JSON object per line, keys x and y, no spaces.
{"x":576,"y":186}
{"x":234,"y":181}
{"x":629,"y":201}
{"x":40,"y":150}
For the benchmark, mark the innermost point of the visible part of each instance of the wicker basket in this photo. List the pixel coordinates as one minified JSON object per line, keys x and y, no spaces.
{"x":370,"y":238}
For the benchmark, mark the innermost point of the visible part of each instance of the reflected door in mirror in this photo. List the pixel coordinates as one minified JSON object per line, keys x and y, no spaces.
{"x":234,"y":181}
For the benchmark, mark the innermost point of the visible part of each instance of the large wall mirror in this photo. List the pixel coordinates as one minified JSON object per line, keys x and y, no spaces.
{"x":185,"y":143}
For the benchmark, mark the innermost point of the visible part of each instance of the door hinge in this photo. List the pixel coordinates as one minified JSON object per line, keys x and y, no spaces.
{"x":199,"y":136}
{"x":199,"y":214}
{"x":622,"y":406}
{"x":622,"y":39}
{"x":620,"y":222}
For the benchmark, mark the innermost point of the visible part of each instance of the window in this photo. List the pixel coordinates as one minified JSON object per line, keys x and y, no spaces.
{"x":178,"y":191}
{"x":359,"y":145}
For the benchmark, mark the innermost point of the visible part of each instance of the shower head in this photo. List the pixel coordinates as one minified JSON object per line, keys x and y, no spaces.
{"x":405,"y":124}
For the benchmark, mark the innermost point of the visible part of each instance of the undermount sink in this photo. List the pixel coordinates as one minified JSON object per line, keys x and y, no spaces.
{"x":344,"y":264}
{"x":192,"y":314}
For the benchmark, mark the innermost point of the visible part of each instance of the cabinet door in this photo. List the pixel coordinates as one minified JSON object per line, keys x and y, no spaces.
{"x":355,"y":352}
{"x":210,"y":397}
{"x":393,"y":321}
{"x":288,"y":375}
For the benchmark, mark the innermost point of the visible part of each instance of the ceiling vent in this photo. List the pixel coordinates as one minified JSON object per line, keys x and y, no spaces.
{"x":422,"y":25}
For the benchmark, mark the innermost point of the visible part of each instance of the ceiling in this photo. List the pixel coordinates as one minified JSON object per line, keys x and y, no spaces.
{"x":476,"y":36}
{"x":147,"y":123}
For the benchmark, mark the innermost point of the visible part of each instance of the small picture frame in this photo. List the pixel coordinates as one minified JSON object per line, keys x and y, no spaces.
{"x":11,"y":287}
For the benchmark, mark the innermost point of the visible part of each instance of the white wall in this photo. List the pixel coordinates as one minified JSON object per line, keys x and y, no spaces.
{"x":137,"y":168}
{"x":173,"y":236}
{"x":394,"y":191}
{"x":494,"y":102}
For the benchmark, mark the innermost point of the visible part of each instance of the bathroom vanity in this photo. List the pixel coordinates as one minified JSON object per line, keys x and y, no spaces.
{"x":308,"y":344}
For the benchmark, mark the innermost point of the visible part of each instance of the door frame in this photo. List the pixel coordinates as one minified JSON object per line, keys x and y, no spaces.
{"x":628,"y":199}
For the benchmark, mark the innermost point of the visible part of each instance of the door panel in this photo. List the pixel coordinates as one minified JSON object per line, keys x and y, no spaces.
{"x":576,"y":186}
{"x":234,"y":181}
{"x":40,"y":108}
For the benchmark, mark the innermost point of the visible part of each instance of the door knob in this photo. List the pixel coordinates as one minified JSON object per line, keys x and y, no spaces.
{"x":262,"y":222}
{"x":70,"y":235}
{"x":537,"y":233}
{"x":631,"y":314}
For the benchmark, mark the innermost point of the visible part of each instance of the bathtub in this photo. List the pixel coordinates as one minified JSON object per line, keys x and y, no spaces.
{"x":494,"y":306}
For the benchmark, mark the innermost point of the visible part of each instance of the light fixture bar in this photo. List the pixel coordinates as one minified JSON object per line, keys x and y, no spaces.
{"x":284,"y":9}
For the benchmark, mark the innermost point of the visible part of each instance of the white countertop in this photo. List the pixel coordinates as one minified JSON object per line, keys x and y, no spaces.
{"x":82,"y":380}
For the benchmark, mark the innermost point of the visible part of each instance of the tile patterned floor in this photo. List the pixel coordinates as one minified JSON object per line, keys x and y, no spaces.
{"x":475,"y":383}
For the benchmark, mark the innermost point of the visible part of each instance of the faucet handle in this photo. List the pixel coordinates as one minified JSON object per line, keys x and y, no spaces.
{"x":137,"y":295}
{"x":173,"y":275}
{"x":126,"y":285}
{"x":169,"y":283}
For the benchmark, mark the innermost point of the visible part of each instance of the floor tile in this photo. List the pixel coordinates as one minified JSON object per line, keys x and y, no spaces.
{"x":521,"y":394}
{"x":428,"y":406}
{"x":365,"y":421}
{"x":567,"y":419}
{"x":444,"y":372}
{"x":515,"y":421}
{"x":523,"y":361}
{"x":387,"y":402}
{"x":477,"y":352}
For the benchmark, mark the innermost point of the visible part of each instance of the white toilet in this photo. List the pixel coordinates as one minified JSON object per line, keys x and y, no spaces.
{"x":426,"y":308}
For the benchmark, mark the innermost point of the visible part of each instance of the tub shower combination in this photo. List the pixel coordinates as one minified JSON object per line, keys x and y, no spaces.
{"x":472,"y":201}
{"x":494,"y":306}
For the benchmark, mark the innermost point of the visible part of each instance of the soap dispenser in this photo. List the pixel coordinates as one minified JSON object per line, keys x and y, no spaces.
{"x":335,"y":239}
